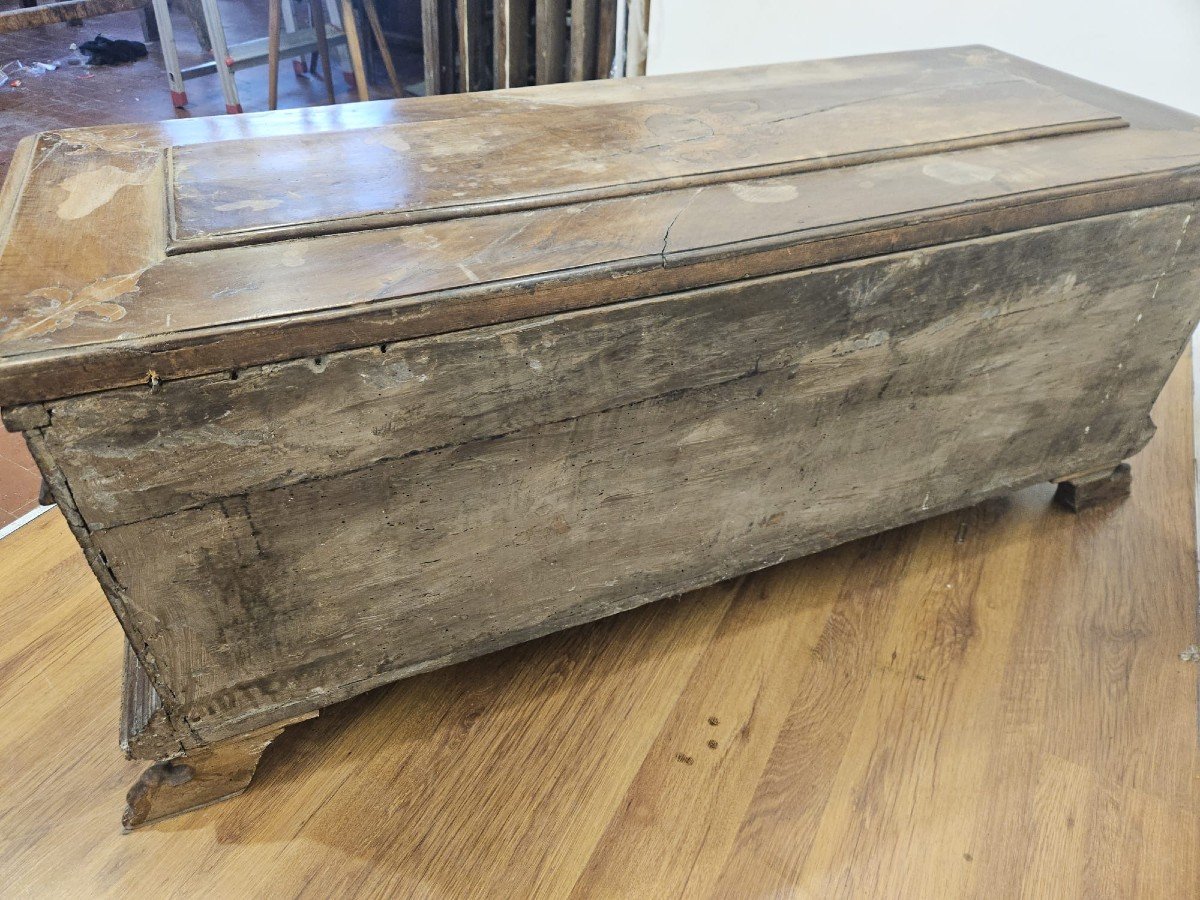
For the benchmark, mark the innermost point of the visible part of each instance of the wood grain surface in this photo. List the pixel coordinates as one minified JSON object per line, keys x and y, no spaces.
{"x":988,"y":704}
{"x":231,"y":192}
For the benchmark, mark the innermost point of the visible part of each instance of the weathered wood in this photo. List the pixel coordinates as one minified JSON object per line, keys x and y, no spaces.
{"x":550,"y":41}
{"x":520,"y":361}
{"x":147,"y":452}
{"x":583,"y":39}
{"x":477,"y":272}
{"x":207,"y":775}
{"x":554,"y":768}
{"x":510,"y":42}
{"x":65,"y":11}
{"x":541,"y":460}
{"x":472,"y":49}
{"x":606,"y":37}
{"x":146,"y":730}
{"x":955,"y":109}
{"x":381,"y":44}
{"x":437,"y":33}
{"x":1080,"y":492}
{"x":508,"y":268}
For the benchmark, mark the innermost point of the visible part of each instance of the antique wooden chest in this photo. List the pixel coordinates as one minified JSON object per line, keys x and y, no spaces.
{"x":331,"y":397}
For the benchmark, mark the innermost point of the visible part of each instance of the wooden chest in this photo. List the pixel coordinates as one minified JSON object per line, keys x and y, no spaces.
{"x":331,"y":397}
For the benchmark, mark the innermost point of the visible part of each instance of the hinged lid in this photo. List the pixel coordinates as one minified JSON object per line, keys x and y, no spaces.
{"x":138,"y":253}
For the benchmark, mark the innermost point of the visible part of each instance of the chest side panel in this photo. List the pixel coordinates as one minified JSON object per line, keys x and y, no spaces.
{"x":540,"y":475}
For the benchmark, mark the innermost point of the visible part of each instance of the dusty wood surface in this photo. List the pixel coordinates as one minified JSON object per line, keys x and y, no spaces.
{"x":274,"y":539}
{"x":587,"y":466}
{"x":986,"y":704}
{"x":125,"y":312}
{"x":141,"y":454}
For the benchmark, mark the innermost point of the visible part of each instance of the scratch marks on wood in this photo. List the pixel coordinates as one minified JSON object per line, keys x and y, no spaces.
{"x":1170,"y":262}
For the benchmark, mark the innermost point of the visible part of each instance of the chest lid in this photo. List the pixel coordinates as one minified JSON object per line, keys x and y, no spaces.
{"x":129,"y":254}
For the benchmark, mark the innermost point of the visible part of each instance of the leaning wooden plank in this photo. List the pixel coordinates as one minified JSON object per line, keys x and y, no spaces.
{"x":637,"y":31}
{"x":510,"y":42}
{"x":583,"y":39}
{"x":318,"y":19}
{"x":437,"y":40}
{"x":274,"y":32}
{"x":551,"y":40}
{"x":902,"y":399}
{"x":65,"y":11}
{"x":606,"y":37}
{"x":472,"y":49}
{"x":381,"y":45}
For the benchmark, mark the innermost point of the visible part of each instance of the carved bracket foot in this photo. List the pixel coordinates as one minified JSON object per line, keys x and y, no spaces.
{"x":1078,"y":492}
{"x":199,"y":777}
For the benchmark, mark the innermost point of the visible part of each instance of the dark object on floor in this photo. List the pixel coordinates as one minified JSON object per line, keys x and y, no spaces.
{"x":102,"y":51}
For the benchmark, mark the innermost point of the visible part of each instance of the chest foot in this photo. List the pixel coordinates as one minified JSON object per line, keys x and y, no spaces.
{"x":201,"y":776}
{"x":1078,"y":492}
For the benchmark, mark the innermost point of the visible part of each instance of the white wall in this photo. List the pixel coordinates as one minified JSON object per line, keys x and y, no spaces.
{"x":1147,"y":47}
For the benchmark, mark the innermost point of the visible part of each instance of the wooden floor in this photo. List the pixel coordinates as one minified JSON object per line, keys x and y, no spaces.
{"x":991,"y":704}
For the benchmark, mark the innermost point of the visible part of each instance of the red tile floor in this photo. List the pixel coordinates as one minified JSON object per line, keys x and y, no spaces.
{"x":19,"y":478}
{"x":76,"y":95}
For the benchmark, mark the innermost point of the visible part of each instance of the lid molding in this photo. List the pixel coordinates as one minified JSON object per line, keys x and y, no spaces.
{"x":277,"y":188}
